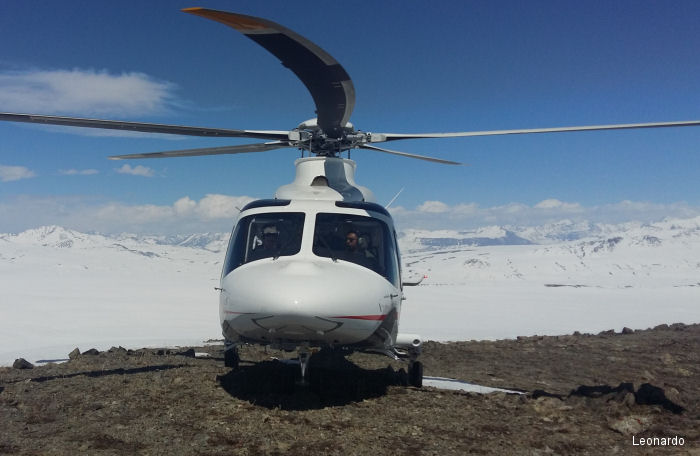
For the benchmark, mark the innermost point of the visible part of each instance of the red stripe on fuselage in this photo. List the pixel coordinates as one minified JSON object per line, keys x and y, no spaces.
{"x":363,"y":317}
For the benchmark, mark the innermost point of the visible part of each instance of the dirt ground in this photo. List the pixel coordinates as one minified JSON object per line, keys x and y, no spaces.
{"x":584,"y":394}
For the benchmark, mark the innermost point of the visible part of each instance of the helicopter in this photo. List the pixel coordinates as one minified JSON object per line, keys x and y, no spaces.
{"x":317,"y":265}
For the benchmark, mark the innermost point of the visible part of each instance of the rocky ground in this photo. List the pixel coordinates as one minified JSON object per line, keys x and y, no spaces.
{"x":584,"y":394}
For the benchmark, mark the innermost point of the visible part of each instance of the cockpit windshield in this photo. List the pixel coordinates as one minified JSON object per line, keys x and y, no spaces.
{"x":359,"y":239}
{"x":266,"y":235}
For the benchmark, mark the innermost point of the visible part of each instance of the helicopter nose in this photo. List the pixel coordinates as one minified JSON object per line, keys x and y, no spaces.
{"x":305,"y":300}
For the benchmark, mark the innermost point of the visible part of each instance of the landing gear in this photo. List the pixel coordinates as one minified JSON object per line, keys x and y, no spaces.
{"x":304,"y":356}
{"x":415,"y":374}
{"x":408,"y":348}
{"x":231,"y":358}
{"x":415,"y":367}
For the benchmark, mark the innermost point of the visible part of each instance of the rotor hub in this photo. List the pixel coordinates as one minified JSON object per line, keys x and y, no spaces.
{"x":309,"y":136}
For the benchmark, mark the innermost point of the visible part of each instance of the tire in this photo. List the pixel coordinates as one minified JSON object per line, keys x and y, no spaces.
{"x":231,"y":358}
{"x":415,"y":374}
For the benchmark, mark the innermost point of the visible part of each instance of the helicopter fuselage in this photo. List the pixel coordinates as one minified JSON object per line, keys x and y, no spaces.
{"x":320,"y":267}
{"x":308,"y":286}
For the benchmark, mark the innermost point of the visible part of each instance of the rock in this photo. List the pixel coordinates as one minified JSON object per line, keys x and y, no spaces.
{"x":630,"y":425}
{"x":92,"y":351}
{"x":684,"y":372}
{"x":22,"y":363}
{"x":646,"y":375}
{"x":629,"y":400}
{"x":188,"y":353}
{"x":627,"y":330}
{"x":677,"y":327}
{"x":673,"y":395}
{"x":547,"y":405}
{"x":74,"y":354}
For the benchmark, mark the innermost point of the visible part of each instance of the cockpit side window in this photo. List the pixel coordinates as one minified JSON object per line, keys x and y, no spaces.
{"x":265,"y":235}
{"x":366,"y":241}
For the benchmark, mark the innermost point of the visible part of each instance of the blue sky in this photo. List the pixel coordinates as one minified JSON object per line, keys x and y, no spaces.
{"x":451,"y":66}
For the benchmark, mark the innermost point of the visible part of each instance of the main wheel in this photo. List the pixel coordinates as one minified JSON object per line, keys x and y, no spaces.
{"x":415,"y":374}
{"x":231,"y":358}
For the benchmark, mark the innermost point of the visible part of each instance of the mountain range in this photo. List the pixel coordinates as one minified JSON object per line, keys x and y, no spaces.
{"x":564,"y":231}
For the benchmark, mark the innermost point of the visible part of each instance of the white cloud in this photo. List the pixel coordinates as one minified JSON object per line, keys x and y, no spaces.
{"x":433,"y":207}
{"x":510,"y":208}
{"x":138,"y":170}
{"x":212,"y":213}
{"x":88,"y":92}
{"x":557,"y":205}
{"x":435,"y":215}
{"x":14,"y":173}
{"x":184,"y":206}
{"x":211,"y":207}
{"x":220,"y":206}
{"x":137,"y":215}
{"x":465,"y":209}
{"x":216,"y":213}
{"x":78,"y":172}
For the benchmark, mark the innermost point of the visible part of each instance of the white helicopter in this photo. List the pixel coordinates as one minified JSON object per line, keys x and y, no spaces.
{"x":318,"y":265}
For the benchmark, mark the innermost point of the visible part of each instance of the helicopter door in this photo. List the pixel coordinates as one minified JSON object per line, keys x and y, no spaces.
{"x":266,"y":235}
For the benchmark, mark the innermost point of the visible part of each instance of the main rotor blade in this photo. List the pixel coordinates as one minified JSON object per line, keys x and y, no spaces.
{"x":380,"y":137}
{"x":262,"y":147}
{"x":144,"y":127}
{"x":405,"y":154}
{"x":330,"y":85}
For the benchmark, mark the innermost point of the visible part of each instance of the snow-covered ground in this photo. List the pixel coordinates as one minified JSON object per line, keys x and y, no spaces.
{"x":60,"y":289}
{"x":626,"y":275}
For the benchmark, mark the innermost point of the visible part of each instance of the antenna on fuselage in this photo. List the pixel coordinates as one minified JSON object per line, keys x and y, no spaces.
{"x":394,"y":198}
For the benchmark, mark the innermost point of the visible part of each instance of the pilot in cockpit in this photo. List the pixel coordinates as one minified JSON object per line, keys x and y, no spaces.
{"x":270,"y":244}
{"x":356,"y":250}
{"x":351,"y":241}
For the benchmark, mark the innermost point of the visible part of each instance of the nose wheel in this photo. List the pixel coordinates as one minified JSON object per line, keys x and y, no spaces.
{"x":415,"y":367}
{"x":415,"y":374}
{"x":231,"y":358}
{"x":304,"y":356}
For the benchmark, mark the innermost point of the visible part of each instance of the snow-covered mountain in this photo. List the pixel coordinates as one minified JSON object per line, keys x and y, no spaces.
{"x":60,"y":288}
{"x":564,"y":231}
{"x":631,"y":254}
{"x":582,"y":254}
{"x":492,"y":235}
{"x":56,"y":236}
{"x":410,"y":240}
